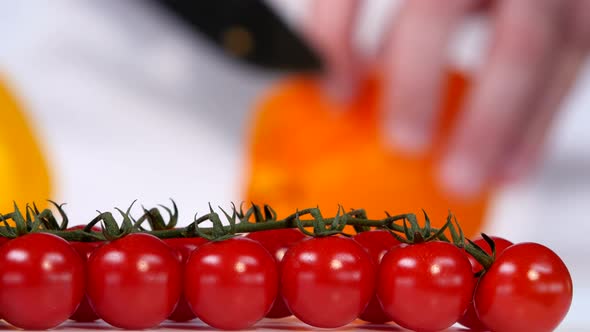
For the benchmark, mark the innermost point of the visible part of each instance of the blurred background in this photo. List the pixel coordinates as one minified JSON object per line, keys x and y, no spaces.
{"x":122,"y":100}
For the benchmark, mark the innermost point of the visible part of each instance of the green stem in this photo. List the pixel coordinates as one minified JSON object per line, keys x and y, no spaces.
{"x":247,"y":227}
{"x":77,"y":235}
{"x":484,"y":259}
{"x":242,"y":227}
{"x":356,"y":219}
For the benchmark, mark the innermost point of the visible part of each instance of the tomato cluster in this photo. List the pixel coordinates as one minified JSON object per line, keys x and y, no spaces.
{"x":138,"y":280}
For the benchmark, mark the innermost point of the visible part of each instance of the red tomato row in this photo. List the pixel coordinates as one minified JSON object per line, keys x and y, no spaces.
{"x":138,"y":281}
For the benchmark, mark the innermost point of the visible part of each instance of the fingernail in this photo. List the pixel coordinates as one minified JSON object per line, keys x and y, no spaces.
{"x":461,"y":176}
{"x":408,"y":137}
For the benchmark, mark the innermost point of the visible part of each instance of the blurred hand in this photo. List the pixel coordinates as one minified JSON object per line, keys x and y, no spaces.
{"x":538,"y":47}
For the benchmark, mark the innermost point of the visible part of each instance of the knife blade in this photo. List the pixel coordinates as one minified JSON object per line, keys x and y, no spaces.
{"x":247,"y":30}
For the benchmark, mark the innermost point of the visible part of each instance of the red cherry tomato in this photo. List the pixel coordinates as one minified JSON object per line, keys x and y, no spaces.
{"x":426,"y":286}
{"x":470,"y":318}
{"x":85,"y":313}
{"x":134,"y":282}
{"x":327,"y":282}
{"x":41,"y":281}
{"x":277,"y":242}
{"x":231,"y":284}
{"x":377,"y":244}
{"x":183,"y":248}
{"x":527,"y":288}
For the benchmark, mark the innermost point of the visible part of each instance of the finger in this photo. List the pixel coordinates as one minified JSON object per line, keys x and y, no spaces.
{"x":518,"y":65}
{"x":525,"y":155}
{"x":575,"y":47}
{"x":330,"y":26}
{"x":415,"y":57}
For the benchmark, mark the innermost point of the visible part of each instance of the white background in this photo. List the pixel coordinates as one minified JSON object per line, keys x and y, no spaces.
{"x":129,"y":105}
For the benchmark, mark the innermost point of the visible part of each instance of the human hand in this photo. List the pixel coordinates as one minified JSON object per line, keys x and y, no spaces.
{"x":537,"y":50}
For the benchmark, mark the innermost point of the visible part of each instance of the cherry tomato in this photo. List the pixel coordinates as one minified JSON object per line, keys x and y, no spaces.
{"x":327,"y":282}
{"x":183,"y":248}
{"x":527,"y":288}
{"x":277,"y":242}
{"x":426,"y":286}
{"x":231,"y":284}
{"x":41,"y":281}
{"x":85,"y":313}
{"x":377,"y":243}
{"x":470,"y":318}
{"x":134,"y":282}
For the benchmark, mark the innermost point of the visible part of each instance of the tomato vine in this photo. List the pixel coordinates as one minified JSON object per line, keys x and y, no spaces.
{"x":404,"y":227}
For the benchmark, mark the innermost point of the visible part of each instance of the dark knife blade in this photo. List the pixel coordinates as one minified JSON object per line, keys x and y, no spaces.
{"x":248,"y":30}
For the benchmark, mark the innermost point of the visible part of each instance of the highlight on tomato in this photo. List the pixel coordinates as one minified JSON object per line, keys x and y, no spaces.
{"x":470,"y":319}
{"x":393,"y":269}
{"x":134,"y":282}
{"x":425,"y":286}
{"x":41,"y":281}
{"x":527,"y":288}
{"x":231,"y":284}
{"x":327,"y":282}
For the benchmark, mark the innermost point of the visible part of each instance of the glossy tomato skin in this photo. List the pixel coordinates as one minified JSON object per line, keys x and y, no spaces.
{"x":377,"y":243}
{"x":528,"y":288}
{"x":470,"y":318}
{"x":327,"y":282}
{"x":81,"y":227}
{"x":231,"y":284}
{"x":277,"y":242}
{"x":426,"y":286}
{"x":134,"y":282}
{"x":84,"y":312}
{"x":183,"y":248}
{"x":41,"y":281}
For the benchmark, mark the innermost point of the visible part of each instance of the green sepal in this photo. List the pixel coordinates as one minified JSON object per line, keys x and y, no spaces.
{"x":427,"y":231}
{"x":231,"y":219}
{"x":19,"y":221}
{"x":438,"y":233}
{"x":35,"y":223}
{"x":193,"y":228}
{"x":154,"y":219}
{"x":218,"y":231}
{"x":480,"y":255}
{"x":300,"y":225}
{"x":414,"y":226}
{"x":127,"y":225}
{"x":110,"y":228}
{"x":5,"y":229}
{"x":491,"y":243}
{"x":361,"y":214}
{"x":258,"y":217}
{"x":240,"y":211}
{"x":64,"y":217}
{"x":269,"y":213}
{"x":172,"y":215}
{"x":398,"y":237}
